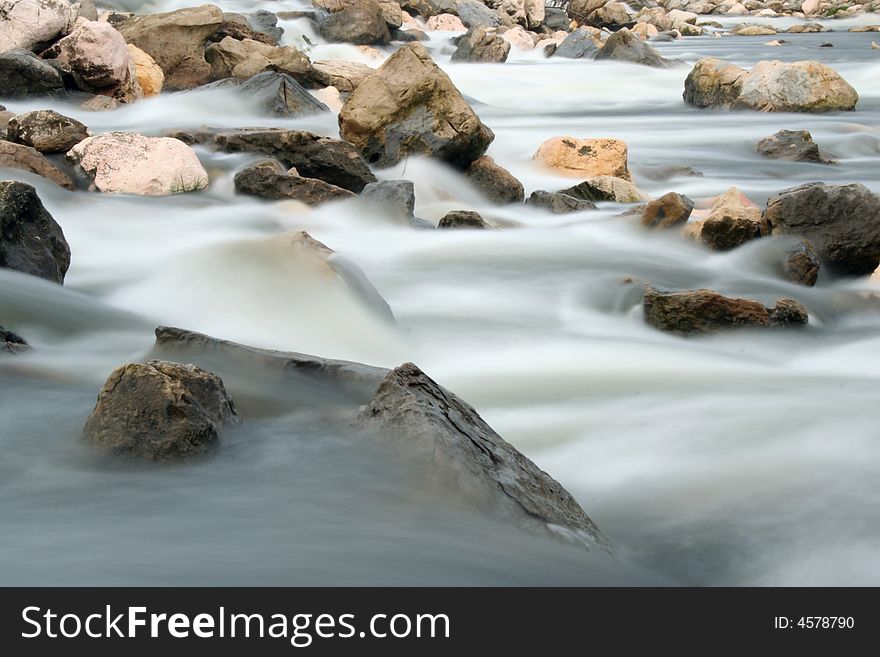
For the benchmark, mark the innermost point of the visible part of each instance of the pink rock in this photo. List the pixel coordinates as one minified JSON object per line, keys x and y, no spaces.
{"x":445,"y":23}
{"x":129,"y":163}
{"x":31,"y":23}
{"x":96,"y":52}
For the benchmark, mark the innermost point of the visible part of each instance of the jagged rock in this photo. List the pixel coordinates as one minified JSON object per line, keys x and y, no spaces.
{"x":345,"y":76}
{"x":18,"y":156}
{"x":691,"y":312}
{"x":669,"y":210}
{"x":842,"y":222}
{"x":46,"y":131}
{"x":30,"y":239}
{"x":24,"y":74}
{"x":558,"y":202}
{"x":129,"y":163}
{"x":281,"y":95}
{"x":331,"y":160}
{"x":159,"y":411}
{"x":409,"y":106}
{"x":794,"y":145}
{"x":462,"y":219}
{"x":605,"y":188}
{"x":623,"y":45}
{"x":360,"y":23}
{"x":420,"y":420}
{"x":397,"y":197}
{"x":32,"y":24}
{"x":585,"y":157}
{"x":12,"y":343}
{"x":802,"y":264}
{"x":269,"y":180}
{"x":494,"y":181}
{"x":231,"y":58}
{"x":480,"y":44}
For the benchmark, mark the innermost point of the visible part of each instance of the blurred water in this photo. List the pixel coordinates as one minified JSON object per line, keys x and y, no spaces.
{"x":741,"y":458}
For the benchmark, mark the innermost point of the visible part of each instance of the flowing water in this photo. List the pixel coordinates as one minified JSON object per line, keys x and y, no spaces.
{"x":740,"y":458}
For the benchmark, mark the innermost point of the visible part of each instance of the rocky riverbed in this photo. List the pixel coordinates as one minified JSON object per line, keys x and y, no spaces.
{"x":467,"y":292}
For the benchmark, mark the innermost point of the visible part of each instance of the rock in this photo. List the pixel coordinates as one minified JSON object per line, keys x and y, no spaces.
{"x":494,"y":181}
{"x":519,"y":38}
{"x":644,"y":31}
{"x":281,"y":95}
{"x":265,"y":22}
{"x":753,"y":30}
{"x":159,"y":411}
{"x":475,"y":14}
{"x":806,"y":28}
{"x":585,"y":157}
{"x":414,"y":416}
{"x":361,"y":23}
{"x":100,"y":104}
{"x":244,"y":59}
{"x":46,"y":131}
{"x":148,"y":73}
{"x":623,"y":45}
{"x":409,"y":106}
{"x":810,"y":6}
{"x":610,"y":14}
{"x":95,"y":53}
{"x":577,"y":45}
{"x":555,"y":18}
{"x":732,"y":221}
{"x":18,"y":156}
{"x":802,"y":264}
{"x":794,"y":145}
{"x":462,"y":219}
{"x":605,"y":188}
{"x":30,"y":239}
{"x":397,"y":197}
{"x":527,"y":13}
{"x":345,"y":76}
{"x":176,"y":41}
{"x":663,"y":172}
{"x":842,"y":222}
{"x":391,"y":11}
{"x":775,"y":86}
{"x":445,"y":23}
{"x":129,"y":163}
{"x":693,"y":312}
{"x":24,"y":74}
{"x":237,"y":26}
{"x":87,"y":10}
{"x":270,"y":181}
{"x":331,"y":160}
{"x":32,"y":24}
{"x":667,"y":211}
{"x":558,"y":202}
{"x":480,"y":44}
{"x":12,"y":343}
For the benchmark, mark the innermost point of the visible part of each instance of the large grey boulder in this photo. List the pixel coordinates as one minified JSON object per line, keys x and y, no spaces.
{"x":792,"y":145}
{"x":360,"y":23}
{"x":625,"y":46}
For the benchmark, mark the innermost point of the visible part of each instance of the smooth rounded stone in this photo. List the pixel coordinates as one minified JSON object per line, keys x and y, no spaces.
{"x":231,"y":58}
{"x":25,"y":158}
{"x":770,"y":86}
{"x":610,"y":14}
{"x":519,"y":38}
{"x":753,"y":30}
{"x":31,"y":241}
{"x":477,"y":14}
{"x":32,"y":24}
{"x":799,"y":28}
{"x":494,"y":181}
{"x":558,"y":203}
{"x":842,"y":222}
{"x":269,"y":180}
{"x":732,"y":221}
{"x":129,"y":163}
{"x":605,"y":188}
{"x":577,"y":45}
{"x":280,"y":95}
{"x":176,"y":41}
{"x":416,"y":419}
{"x":397,"y":197}
{"x":148,"y":73}
{"x":463,"y":219}
{"x":445,"y":23}
{"x":793,"y":145}
{"x":585,"y":157}
{"x":694,"y":312}
{"x":409,"y":106}
{"x":624,"y":46}
{"x":345,"y":76}
{"x":46,"y":131}
{"x":96,"y":53}
{"x":331,"y":160}
{"x":480,"y":44}
{"x":24,"y":74}
{"x":668,"y":211}
{"x":802,"y":264}
{"x":159,"y":411}
{"x":644,"y":31}
{"x":12,"y":343}
{"x":392,"y":14}
{"x":360,"y":23}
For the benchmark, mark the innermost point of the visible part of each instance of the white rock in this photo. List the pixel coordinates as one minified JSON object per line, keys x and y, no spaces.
{"x":32,"y":23}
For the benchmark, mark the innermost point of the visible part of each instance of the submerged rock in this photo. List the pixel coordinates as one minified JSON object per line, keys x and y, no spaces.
{"x":24,"y":74}
{"x":397,"y":197}
{"x":605,"y":188}
{"x":30,"y":239}
{"x":793,"y":145}
{"x":462,"y":219}
{"x":426,"y":423}
{"x":18,"y":156}
{"x":842,"y":222}
{"x":46,"y":131}
{"x":559,"y":202}
{"x":480,"y":44}
{"x":802,"y":264}
{"x":159,"y":411}
{"x":690,"y":312}
{"x":585,"y":157}
{"x":269,"y":180}
{"x":669,"y":210}
{"x":408,"y":107}
{"x":494,"y":181}
{"x":732,"y":221}
{"x":331,"y":160}
{"x":12,"y":343}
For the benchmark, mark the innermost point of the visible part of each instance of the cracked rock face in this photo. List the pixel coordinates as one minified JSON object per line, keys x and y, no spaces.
{"x":429,"y":424}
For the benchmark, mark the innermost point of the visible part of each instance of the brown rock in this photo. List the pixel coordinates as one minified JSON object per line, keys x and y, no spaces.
{"x":667,"y":211}
{"x":17,"y":156}
{"x":585,"y":157}
{"x":462,"y":219}
{"x":494,"y":181}
{"x":270,"y":181}
{"x":244,"y":59}
{"x":46,"y":131}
